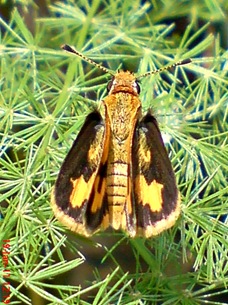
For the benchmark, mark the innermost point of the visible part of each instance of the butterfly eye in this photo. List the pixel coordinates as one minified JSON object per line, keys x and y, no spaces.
{"x":109,"y":85}
{"x":137,"y":87}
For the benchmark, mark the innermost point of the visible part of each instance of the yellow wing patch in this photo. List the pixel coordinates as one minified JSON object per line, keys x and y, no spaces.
{"x":81,"y":190}
{"x":150,"y":194}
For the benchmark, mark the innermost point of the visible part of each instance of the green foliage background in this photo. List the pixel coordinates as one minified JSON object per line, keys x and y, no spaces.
{"x":44,"y":99}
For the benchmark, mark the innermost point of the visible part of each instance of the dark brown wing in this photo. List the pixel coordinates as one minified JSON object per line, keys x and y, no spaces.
{"x":77,"y":197}
{"x":155,"y":193}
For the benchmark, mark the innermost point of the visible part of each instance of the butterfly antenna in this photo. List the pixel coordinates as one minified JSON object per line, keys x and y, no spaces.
{"x":179,"y":63}
{"x":90,"y":61}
